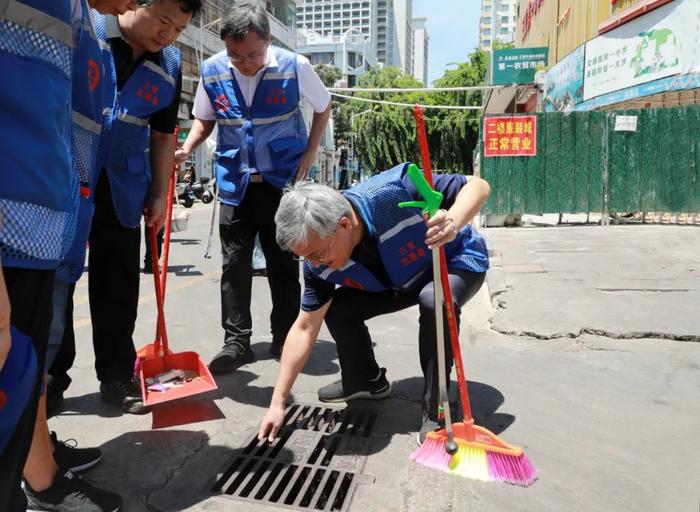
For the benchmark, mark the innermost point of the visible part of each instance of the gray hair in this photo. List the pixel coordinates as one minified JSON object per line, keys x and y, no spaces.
{"x":243,"y":18}
{"x":307,"y":206}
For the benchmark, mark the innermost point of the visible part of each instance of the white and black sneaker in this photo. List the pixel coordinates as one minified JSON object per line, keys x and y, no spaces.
{"x":376,"y":389}
{"x":68,"y":493}
{"x":71,"y":458}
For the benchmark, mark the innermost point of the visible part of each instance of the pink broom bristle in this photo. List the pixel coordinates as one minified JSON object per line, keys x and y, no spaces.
{"x":432,"y":454}
{"x":511,"y":470}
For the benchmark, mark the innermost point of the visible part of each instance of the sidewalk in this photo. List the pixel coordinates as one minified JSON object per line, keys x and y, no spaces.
{"x":610,"y":424}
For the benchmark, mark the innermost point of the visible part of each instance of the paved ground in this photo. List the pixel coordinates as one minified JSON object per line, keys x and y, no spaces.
{"x":580,"y":364}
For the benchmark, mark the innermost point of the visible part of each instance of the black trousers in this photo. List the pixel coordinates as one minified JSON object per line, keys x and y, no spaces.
{"x":350,"y":309}
{"x":113,"y":287}
{"x":30,"y":293}
{"x":237,"y":228}
{"x":66,"y":353}
{"x":147,"y":240}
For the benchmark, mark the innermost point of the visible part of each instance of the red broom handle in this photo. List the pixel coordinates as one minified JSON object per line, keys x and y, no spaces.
{"x":444,"y":277}
{"x":161,"y":333}
{"x":166,"y":235}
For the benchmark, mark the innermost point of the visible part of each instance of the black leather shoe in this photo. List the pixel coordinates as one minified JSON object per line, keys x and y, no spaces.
{"x":124,"y":393}
{"x":231,"y":357}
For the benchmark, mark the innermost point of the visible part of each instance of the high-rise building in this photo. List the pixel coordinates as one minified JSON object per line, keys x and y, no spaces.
{"x":420,"y":50}
{"x":498,"y":22}
{"x":385,"y":24}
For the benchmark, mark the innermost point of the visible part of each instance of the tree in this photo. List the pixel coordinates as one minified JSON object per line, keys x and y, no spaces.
{"x":385,"y":135}
{"x":454,"y":134}
{"x":328,"y":73}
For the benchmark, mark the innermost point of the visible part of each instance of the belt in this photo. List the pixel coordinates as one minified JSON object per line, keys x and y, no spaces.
{"x":256,"y":178}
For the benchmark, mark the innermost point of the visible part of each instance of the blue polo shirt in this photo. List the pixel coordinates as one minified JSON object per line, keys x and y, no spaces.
{"x":318,"y":292}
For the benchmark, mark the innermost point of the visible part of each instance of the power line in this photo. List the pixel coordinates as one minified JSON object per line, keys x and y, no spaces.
{"x":417,"y":89}
{"x":409,"y":105}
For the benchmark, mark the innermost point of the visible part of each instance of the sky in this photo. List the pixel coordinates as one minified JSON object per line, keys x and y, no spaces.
{"x":453,"y":28}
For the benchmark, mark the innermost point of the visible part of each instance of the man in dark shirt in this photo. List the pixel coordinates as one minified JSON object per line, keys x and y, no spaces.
{"x":142,"y":54}
{"x":380,"y":256}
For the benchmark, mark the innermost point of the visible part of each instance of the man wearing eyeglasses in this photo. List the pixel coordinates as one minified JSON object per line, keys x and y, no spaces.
{"x":251,"y":92}
{"x":367,"y":257}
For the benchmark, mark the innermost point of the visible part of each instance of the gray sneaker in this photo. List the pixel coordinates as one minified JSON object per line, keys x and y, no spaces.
{"x":376,"y":389}
{"x":68,"y":493}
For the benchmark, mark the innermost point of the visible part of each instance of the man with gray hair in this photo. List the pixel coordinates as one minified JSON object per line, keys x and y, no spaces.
{"x":366,"y":257}
{"x":251,"y":92}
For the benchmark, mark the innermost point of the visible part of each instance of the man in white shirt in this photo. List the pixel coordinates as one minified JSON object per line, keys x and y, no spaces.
{"x":251,"y":91}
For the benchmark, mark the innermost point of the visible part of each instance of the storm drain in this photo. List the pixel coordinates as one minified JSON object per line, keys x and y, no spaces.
{"x":314,"y":464}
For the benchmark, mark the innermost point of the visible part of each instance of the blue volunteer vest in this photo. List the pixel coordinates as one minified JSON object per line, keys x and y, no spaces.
{"x":39,"y":194}
{"x":401,"y":236}
{"x":269,"y":137}
{"x":17,"y":380}
{"x":88,"y":104}
{"x":124,"y":145}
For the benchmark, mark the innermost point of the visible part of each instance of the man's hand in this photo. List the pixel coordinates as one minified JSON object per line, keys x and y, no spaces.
{"x":271,"y":423}
{"x":155,"y":212}
{"x":307,"y":160}
{"x":441,"y":230}
{"x":5,"y":344}
{"x":181,"y":156}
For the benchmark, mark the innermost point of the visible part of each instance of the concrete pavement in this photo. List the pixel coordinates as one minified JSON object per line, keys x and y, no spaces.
{"x":611,"y":423}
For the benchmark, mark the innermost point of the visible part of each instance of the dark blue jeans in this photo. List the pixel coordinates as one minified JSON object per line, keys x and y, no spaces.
{"x":350,"y":309}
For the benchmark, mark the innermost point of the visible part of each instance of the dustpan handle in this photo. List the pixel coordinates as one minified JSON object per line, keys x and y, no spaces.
{"x":162,"y":335}
{"x":166,"y":237}
{"x":444,"y":277}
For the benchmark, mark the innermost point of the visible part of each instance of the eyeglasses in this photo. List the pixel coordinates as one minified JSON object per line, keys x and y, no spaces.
{"x":322,"y":259}
{"x":251,"y":57}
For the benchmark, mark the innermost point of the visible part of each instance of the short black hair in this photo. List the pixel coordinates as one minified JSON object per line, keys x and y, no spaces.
{"x":243,"y":18}
{"x":192,"y":7}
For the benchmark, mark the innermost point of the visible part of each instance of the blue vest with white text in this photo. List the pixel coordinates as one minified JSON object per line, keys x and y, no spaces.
{"x":401,"y":238}
{"x":268,"y":137}
{"x":39,"y":191}
{"x":125,"y":141}
{"x":88,"y":103}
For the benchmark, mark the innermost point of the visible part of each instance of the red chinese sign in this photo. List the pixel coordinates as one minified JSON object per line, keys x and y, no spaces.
{"x":510,"y":136}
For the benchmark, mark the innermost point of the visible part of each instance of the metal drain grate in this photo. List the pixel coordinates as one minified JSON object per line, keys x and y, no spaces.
{"x":314,"y":464}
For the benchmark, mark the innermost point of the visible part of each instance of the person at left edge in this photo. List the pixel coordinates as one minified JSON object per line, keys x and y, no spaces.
{"x":136,"y":160}
{"x":38,"y":200}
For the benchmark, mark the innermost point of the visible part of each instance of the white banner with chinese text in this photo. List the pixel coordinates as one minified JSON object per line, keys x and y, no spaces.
{"x":661,"y":43}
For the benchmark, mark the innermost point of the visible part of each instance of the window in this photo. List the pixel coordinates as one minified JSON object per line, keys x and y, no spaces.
{"x":505,"y":30}
{"x":487,"y":20}
{"x":505,"y":19}
{"x":487,"y":42}
{"x":487,"y":31}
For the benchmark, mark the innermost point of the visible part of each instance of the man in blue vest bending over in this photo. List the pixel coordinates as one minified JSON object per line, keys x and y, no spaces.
{"x":251,"y":91}
{"x":379,"y":257}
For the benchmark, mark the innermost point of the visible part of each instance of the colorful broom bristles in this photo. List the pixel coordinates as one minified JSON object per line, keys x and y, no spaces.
{"x":483,"y":461}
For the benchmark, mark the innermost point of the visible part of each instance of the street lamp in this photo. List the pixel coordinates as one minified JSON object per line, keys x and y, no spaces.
{"x":351,"y":148}
{"x":345,"y":53}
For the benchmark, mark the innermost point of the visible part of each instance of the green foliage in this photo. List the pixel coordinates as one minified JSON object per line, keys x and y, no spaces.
{"x":385,"y":135}
{"x":328,"y":73}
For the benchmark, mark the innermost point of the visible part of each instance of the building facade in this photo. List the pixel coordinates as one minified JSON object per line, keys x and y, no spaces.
{"x":615,"y":55}
{"x":420,"y":50}
{"x":385,"y":25}
{"x":497,"y":22}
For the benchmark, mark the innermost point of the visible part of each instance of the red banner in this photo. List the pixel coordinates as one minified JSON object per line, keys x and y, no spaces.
{"x":510,"y":136}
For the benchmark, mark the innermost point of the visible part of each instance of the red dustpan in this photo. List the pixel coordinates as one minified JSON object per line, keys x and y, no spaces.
{"x":198,"y":378}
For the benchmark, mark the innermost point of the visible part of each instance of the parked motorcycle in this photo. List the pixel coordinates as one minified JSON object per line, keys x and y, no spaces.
{"x":203,"y":189}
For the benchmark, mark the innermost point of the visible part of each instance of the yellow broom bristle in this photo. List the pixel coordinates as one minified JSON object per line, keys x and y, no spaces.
{"x":470,"y":462}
